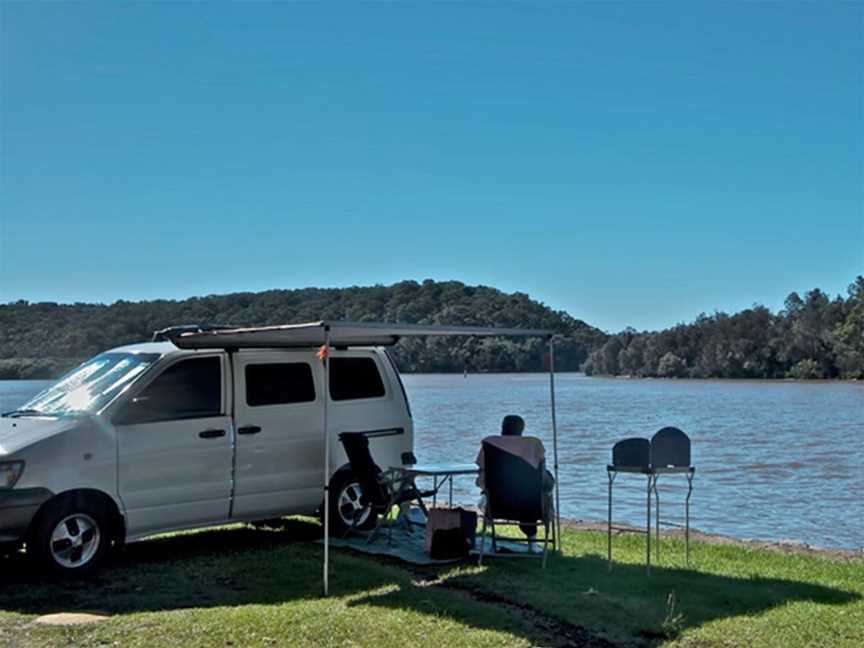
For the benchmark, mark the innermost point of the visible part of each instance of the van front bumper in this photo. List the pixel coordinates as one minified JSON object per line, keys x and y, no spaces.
{"x":18,"y":507}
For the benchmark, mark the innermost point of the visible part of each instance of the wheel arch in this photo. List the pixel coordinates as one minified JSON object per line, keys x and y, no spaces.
{"x":337,"y":474}
{"x":341,"y":470}
{"x":118,"y":521}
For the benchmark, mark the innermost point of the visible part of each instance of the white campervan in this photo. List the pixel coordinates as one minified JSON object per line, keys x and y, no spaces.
{"x":150,"y":438}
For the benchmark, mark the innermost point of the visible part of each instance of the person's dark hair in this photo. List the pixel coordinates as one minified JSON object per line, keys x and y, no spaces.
{"x":512,"y":425}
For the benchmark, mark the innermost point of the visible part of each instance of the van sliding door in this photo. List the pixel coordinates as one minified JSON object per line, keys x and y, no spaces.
{"x":279,"y":428}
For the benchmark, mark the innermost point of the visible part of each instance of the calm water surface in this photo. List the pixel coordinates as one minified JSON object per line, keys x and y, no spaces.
{"x":774,"y":460}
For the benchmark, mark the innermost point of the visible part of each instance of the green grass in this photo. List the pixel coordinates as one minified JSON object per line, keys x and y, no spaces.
{"x":246,"y":587}
{"x":731,"y":596}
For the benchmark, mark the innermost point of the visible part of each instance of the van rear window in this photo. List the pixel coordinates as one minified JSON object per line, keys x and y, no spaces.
{"x":353,"y":378}
{"x":279,"y":383}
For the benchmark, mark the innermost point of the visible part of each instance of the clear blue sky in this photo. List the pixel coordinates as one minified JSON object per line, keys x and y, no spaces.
{"x":631,"y":163}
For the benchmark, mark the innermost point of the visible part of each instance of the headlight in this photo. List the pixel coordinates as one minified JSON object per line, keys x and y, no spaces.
{"x":10,"y":471}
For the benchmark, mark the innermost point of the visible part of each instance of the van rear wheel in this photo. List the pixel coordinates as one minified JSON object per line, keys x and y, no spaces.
{"x":71,"y":538}
{"x":347,"y":509}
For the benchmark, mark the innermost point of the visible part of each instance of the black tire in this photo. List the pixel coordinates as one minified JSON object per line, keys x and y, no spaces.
{"x":72,"y":537}
{"x":344,"y":483}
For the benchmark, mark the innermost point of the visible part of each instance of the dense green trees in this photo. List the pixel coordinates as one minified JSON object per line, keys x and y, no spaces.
{"x":812,"y":337}
{"x":37,"y":340}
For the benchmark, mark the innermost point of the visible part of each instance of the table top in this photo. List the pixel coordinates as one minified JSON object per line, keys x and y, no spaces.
{"x":651,"y":470}
{"x":441,"y":469}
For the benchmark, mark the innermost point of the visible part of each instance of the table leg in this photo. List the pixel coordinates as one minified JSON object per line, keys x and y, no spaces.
{"x":687,"y":520}
{"x":657,"y":519}
{"x":609,"y":523}
{"x":648,"y":528}
{"x":451,"y":490}
{"x":434,"y":490}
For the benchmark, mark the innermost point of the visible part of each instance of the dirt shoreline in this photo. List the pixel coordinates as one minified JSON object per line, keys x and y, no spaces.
{"x":790,"y":548}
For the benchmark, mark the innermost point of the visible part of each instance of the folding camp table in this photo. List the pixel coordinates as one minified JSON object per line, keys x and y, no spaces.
{"x":441,"y":474}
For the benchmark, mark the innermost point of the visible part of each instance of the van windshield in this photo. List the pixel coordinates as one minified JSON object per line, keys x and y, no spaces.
{"x":90,"y":386}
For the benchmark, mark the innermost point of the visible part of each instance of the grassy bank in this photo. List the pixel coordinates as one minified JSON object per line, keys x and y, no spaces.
{"x":246,"y":587}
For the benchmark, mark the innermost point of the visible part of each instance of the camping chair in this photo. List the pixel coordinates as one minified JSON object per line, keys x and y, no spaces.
{"x":381,"y":491}
{"x":670,"y":454}
{"x":667,"y":453}
{"x":514,"y":496}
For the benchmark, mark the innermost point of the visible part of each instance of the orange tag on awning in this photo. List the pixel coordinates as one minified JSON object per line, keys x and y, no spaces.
{"x":322,"y":352}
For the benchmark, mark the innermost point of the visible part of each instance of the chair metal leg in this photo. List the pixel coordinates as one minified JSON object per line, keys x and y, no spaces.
{"x":350,"y":529}
{"x":648,"y":529}
{"x":482,"y":541}
{"x":611,"y":476}
{"x":407,"y":520}
{"x":656,"y":520}
{"x":494,"y":537}
{"x":422,"y":506}
{"x":687,"y":519}
{"x":545,"y":541}
{"x":374,"y":533}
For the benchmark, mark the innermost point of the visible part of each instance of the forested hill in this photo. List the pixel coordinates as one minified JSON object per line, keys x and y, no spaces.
{"x":812,"y":337}
{"x":42,"y":339}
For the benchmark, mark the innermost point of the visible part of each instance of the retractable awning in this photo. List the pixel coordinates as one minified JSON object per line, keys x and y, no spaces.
{"x":340,"y":333}
{"x":346,"y":334}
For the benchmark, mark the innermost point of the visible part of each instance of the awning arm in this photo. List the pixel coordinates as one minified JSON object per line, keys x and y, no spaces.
{"x":326,"y":362}
{"x":557,"y":521}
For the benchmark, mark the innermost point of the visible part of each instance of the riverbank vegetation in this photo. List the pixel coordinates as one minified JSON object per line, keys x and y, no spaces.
{"x":37,"y":340}
{"x":814,"y":336}
{"x":239,"y":586}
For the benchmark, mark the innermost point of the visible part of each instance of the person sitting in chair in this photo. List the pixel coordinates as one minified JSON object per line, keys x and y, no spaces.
{"x":529,"y":449}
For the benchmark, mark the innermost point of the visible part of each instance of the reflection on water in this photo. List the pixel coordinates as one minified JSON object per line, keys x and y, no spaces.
{"x":774,"y":460}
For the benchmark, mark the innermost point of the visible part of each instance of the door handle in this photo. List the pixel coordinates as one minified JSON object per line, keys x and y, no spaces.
{"x":211,"y":434}
{"x":249,"y":429}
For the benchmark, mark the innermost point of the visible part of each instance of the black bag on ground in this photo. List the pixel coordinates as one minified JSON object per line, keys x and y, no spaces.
{"x":469,"y":527}
{"x":450,"y":533}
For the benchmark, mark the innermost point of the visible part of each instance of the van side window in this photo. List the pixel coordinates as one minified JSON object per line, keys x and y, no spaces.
{"x":352,"y":378}
{"x":186,"y":389}
{"x":279,"y":383}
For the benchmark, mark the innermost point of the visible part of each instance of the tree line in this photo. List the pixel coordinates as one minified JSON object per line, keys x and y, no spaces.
{"x":813,"y":336}
{"x":40,"y":340}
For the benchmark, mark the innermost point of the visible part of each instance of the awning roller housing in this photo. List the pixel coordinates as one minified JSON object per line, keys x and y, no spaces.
{"x":340,"y":333}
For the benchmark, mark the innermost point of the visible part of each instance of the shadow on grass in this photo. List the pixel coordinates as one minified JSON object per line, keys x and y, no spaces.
{"x":243,"y":566}
{"x":235,"y":567}
{"x":625,"y":602}
{"x":225,"y":566}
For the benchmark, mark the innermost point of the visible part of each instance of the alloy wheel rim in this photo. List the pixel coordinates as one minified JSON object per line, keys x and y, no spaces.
{"x":75,"y":541}
{"x":351,"y":510}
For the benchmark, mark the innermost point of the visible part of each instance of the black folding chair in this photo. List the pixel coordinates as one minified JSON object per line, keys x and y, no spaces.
{"x":514,"y":496}
{"x":380,"y":490}
{"x":668,"y":452}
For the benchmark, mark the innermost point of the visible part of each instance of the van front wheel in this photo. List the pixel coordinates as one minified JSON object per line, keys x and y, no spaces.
{"x":346,"y":507}
{"x":72,"y":537}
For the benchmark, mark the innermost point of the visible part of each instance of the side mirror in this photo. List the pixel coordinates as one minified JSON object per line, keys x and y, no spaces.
{"x":134,"y":411}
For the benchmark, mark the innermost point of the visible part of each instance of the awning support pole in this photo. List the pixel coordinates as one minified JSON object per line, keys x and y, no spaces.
{"x":326,"y":363}
{"x":557,"y":545}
